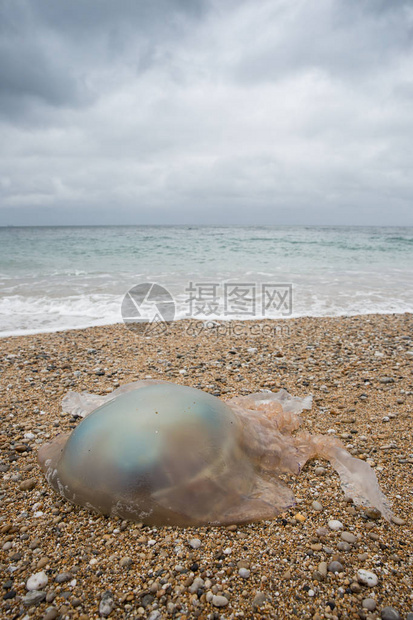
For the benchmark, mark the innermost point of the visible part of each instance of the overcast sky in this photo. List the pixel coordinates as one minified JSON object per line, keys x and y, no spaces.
{"x":206,"y":111}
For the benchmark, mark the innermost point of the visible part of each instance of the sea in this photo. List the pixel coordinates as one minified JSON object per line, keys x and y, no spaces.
{"x":58,"y":278}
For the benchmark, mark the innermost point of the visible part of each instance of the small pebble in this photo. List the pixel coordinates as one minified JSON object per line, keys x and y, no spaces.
{"x":259,"y":599}
{"x":322,"y":569}
{"x":197,"y":583}
{"x":373,"y":513}
{"x":398,"y":520}
{"x":126,"y":562}
{"x":28,"y":485}
{"x":299,"y":517}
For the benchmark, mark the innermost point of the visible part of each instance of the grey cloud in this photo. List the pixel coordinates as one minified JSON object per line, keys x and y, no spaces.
{"x":30,"y":76}
{"x":206,"y":111}
{"x":51,"y":52}
{"x":345,"y":40}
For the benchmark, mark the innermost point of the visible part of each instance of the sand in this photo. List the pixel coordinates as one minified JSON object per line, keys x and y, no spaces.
{"x":359,"y":370}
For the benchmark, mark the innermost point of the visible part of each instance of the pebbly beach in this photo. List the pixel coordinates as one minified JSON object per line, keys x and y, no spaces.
{"x":323,"y":558}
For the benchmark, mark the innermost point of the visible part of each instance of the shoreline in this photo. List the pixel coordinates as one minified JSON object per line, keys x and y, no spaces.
{"x":359,"y":370}
{"x":12,"y":334}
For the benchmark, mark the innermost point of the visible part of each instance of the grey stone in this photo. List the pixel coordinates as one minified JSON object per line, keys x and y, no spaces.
{"x":51,"y":613}
{"x":390,"y":613}
{"x":335,"y":567}
{"x":197,"y":583}
{"x":244,"y":573}
{"x":348,"y":537}
{"x":126,"y":562}
{"x":259,"y":599}
{"x":147,"y":600}
{"x":28,"y":485}
{"x":219,"y":601}
{"x":34,"y":598}
{"x":106,"y":604}
{"x":369,"y":604}
{"x":195,"y":543}
{"x":63,"y":577}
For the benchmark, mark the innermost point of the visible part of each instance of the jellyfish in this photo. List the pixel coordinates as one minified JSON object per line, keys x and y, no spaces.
{"x":167,"y":454}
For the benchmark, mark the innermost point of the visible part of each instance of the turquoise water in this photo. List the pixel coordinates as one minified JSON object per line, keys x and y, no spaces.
{"x":62,"y":277}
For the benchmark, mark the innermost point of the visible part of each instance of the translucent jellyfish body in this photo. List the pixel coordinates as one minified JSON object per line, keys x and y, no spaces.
{"x":166,"y":454}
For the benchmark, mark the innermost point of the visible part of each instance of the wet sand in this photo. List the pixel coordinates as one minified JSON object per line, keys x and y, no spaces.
{"x":360,"y":371}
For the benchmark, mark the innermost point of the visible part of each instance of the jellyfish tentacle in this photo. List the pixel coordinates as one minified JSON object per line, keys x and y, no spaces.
{"x":358,"y":479}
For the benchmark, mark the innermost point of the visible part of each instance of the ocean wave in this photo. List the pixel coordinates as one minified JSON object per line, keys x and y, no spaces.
{"x":30,"y":315}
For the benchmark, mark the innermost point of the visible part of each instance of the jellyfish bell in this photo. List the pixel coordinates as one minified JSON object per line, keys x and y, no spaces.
{"x":161,"y":453}
{"x":166,"y":454}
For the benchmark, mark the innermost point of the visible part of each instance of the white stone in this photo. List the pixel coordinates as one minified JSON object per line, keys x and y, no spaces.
{"x":317,"y":506}
{"x":335,"y":525}
{"x":37,"y":581}
{"x":244,"y":573}
{"x":195,"y":543}
{"x":367,"y":578}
